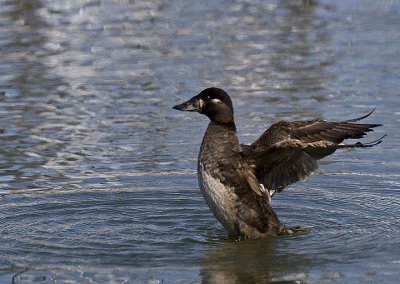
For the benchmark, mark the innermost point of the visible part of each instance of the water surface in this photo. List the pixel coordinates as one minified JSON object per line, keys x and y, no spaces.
{"x":98,"y":175}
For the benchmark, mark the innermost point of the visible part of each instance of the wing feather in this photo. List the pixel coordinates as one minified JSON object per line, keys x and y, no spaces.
{"x":288,"y":152}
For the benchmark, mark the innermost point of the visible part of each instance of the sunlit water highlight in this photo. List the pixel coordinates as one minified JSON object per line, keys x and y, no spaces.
{"x":97,"y":173}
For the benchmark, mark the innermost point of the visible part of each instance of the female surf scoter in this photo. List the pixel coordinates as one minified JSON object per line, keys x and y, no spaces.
{"x":238,"y":181}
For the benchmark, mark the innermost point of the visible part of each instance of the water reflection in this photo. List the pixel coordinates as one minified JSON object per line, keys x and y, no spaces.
{"x":300,"y":52}
{"x":83,"y":108}
{"x":93,"y":158}
{"x":254,"y":262}
{"x":280,"y":46}
{"x":69,"y":131}
{"x":27,"y":86}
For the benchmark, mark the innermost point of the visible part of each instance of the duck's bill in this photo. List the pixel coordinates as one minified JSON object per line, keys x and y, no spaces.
{"x":190,"y":105}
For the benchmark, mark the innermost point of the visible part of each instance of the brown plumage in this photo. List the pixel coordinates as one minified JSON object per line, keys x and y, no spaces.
{"x":288,"y":151}
{"x":237,"y":181}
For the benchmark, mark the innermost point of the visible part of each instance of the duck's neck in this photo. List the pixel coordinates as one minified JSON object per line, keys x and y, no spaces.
{"x":228,"y":126}
{"x":221,"y":138}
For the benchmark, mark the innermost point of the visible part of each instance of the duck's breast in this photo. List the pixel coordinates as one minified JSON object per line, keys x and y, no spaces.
{"x":219,"y":197}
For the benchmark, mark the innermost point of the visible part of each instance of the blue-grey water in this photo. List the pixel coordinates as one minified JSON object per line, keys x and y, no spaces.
{"x":98,"y":174}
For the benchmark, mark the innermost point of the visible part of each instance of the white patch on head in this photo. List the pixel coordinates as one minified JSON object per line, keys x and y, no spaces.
{"x":201,"y":103}
{"x":219,"y":198}
{"x":215,"y":101}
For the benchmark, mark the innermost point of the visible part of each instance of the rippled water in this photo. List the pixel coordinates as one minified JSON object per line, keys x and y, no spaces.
{"x":97,"y":173}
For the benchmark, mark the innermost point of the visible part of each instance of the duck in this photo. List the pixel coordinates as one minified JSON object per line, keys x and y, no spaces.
{"x":238,"y":181}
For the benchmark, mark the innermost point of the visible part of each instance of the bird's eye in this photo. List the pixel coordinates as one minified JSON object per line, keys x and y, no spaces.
{"x":208,"y":98}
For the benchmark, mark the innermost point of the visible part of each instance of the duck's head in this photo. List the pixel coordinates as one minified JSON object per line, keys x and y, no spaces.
{"x":213,"y":102}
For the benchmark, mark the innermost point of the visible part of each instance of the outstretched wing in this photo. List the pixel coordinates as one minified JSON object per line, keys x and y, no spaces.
{"x":313,"y":131}
{"x":288,"y":151}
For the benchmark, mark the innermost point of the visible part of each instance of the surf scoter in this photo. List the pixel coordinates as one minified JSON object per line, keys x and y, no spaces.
{"x":238,"y":181}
